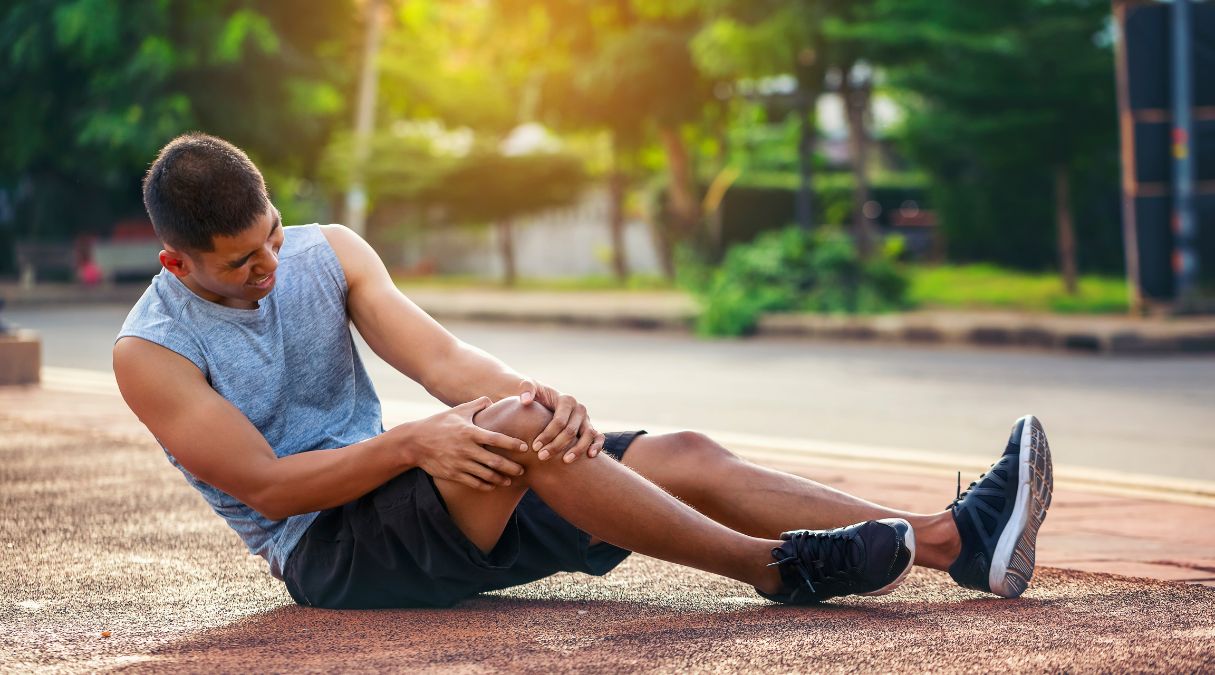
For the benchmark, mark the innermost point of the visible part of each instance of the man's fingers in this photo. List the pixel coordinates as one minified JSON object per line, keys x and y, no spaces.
{"x":474,"y":406}
{"x":561,"y":417}
{"x":567,"y":435}
{"x":565,"y":439}
{"x":583,"y":444}
{"x":494,"y":439}
{"x":486,"y":474}
{"x":597,"y":446}
{"x":473,"y":482}
{"x":498,"y":463}
{"x":527,"y":391}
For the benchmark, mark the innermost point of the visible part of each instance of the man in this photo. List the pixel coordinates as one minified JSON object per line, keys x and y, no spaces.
{"x":239,"y":359}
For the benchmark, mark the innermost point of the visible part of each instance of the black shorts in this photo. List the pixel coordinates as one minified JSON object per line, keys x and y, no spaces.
{"x":397,"y":546}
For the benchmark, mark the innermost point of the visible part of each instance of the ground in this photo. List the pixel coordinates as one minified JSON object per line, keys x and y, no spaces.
{"x":101,"y":536}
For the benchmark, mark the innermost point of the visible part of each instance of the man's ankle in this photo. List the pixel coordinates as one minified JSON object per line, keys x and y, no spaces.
{"x":937,"y":541}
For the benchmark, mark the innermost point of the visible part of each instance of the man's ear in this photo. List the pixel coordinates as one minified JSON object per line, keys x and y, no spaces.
{"x":175,"y":262}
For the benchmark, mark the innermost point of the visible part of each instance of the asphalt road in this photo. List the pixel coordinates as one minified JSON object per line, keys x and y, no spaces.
{"x":1142,"y":415}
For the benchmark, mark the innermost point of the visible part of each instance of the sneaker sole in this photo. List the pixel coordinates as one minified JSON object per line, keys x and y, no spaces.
{"x":1012,"y":563}
{"x":909,"y":541}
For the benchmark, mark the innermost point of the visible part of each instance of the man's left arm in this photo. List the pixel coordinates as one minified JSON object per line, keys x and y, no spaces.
{"x":453,"y":371}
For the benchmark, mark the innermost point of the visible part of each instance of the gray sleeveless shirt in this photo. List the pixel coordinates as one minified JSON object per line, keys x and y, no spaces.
{"x":290,"y":366}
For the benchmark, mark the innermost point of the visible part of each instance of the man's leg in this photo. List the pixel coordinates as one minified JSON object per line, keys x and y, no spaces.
{"x":611,"y":502}
{"x":763,"y":502}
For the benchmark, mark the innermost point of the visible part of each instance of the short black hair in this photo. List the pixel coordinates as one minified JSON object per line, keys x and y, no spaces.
{"x":201,"y":187}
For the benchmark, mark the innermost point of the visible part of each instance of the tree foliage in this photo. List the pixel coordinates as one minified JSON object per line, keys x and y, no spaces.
{"x":998,"y":95}
{"x":93,"y":88}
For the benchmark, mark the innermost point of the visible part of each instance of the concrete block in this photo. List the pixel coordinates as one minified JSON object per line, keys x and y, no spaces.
{"x":20,"y":358}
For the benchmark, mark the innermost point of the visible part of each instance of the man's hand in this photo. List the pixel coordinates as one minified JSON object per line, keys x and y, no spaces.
{"x":570,"y":431}
{"x":448,"y":445}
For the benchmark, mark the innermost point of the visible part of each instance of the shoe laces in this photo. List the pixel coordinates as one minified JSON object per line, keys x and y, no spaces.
{"x":819,"y":557}
{"x":962,"y":495}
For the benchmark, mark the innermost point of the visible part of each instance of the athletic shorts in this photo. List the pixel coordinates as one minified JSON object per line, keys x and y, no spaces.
{"x":397,"y":546}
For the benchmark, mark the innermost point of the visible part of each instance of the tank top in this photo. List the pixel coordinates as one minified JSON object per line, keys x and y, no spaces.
{"x":290,"y":366}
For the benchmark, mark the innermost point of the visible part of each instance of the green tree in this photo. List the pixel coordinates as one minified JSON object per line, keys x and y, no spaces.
{"x":1011,"y":104}
{"x":92,"y":89}
{"x":765,"y":38}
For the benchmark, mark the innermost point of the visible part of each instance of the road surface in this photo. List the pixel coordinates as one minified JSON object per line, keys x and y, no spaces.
{"x":1149,"y":415}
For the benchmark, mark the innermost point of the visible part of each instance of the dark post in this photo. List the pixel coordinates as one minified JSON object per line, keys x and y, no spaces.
{"x":805,"y":158}
{"x":1185,"y":261}
{"x":1126,"y":132}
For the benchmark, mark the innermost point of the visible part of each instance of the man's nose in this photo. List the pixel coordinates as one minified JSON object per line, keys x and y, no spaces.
{"x":267,"y":262}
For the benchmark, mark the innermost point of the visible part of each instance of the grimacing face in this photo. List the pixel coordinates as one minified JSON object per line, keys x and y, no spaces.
{"x":239,"y":271}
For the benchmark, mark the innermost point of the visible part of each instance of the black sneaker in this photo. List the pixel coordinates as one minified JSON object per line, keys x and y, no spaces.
{"x":870,"y":558}
{"x":999,"y":515}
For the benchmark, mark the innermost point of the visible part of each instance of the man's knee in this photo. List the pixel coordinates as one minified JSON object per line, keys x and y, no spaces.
{"x":698,"y":449}
{"x":693,"y":465}
{"x":511,"y":417}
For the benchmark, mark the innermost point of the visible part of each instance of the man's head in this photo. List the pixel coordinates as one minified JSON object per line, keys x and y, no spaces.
{"x":210,"y":208}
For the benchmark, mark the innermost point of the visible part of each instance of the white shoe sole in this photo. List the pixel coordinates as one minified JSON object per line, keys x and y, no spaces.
{"x":1012,"y":563}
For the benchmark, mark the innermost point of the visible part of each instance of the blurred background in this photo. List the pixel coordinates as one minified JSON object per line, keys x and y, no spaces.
{"x":1022,"y":173}
{"x":935,"y":153}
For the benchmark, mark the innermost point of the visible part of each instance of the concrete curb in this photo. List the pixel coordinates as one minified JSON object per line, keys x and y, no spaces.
{"x":676,"y":312}
{"x":15,"y":295}
{"x":1098,"y":334}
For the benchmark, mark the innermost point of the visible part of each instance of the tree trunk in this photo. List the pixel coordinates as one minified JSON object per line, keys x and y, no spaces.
{"x":805,"y":156}
{"x":1067,"y":233}
{"x":616,"y":189}
{"x":855,"y":98}
{"x":506,"y":246}
{"x":809,"y":72}
{"x":682,"y":205}
{"x":714,"y":222}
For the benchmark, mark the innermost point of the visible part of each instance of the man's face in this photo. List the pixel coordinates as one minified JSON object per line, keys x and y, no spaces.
{"x":240,"y":270}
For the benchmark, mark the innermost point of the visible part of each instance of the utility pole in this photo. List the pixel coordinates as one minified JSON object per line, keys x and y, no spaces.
{"x":1126,"y":133}
{"x":364,"y":121}
{"x":1185,"y":259}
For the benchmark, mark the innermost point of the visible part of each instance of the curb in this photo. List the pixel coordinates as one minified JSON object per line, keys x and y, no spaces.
{"x":1097,"y":335}
{"x":70,"y":294}
{"x":674,"y":312}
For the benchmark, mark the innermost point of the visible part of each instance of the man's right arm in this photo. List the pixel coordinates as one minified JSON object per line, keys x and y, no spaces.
{"x":215,"y":442}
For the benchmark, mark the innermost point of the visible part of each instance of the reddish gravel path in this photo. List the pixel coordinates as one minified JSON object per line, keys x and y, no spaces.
{"x":98,"y":533}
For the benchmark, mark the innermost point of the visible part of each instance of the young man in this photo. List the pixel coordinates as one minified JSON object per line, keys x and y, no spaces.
{"x":239,"y":359}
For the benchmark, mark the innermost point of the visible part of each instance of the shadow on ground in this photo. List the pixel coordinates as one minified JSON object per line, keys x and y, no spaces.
{"x":98,"y":533}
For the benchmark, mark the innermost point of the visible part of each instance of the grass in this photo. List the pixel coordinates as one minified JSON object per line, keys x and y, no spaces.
{"x":939,"y":287}
{"x":636,"y":282}
{"x":991,"y":287}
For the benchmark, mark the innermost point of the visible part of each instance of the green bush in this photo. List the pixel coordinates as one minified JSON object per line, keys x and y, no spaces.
{"x":793,"y":270}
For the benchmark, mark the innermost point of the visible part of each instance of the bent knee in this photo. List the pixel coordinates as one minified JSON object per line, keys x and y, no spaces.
{"x":695,"y":454}
{"x":511,"y":417}
{"x":697,"y":447}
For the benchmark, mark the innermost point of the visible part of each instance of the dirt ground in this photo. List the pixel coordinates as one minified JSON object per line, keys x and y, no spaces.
{"x":99,"y":534}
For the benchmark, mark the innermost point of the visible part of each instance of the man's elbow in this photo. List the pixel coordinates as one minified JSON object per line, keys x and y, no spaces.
{"x":270,"y":503}
{"x":272,"y":512}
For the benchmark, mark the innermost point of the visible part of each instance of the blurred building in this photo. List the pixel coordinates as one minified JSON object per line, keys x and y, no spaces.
{"x":571,"y":241}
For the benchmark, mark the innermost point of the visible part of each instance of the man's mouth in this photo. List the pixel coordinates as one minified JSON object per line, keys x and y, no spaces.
{"x":263,"y":282}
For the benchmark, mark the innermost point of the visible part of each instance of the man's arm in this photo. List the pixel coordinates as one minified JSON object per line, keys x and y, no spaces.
{"x":450,"y":369}
{"x":214,"y":441}
{"x":407,"y":337}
